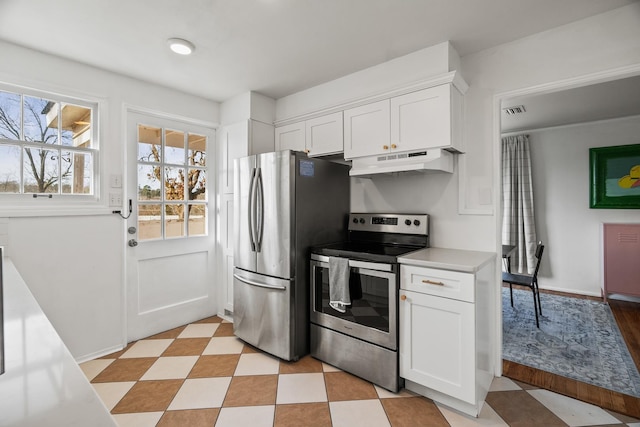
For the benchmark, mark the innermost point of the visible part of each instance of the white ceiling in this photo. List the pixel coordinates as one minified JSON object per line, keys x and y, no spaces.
{"x":613,"y":99}
{"x":275,"y":47}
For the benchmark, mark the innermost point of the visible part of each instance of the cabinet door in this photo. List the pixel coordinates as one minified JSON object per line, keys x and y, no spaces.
{"x":226,"y":249}
{"x":421,"y":120}
{"x":234,"y":141}
{"x":261,"y":137}
{"x":324,"y":135}
{"x":437,"y":345}
{"x":291,"y":137}
{"x":366,"y":130}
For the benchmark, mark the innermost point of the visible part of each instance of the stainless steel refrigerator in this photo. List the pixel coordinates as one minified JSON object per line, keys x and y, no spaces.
{"x":284,"y":203}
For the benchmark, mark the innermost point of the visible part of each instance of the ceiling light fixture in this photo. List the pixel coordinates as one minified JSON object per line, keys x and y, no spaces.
{"x":181,"y":46}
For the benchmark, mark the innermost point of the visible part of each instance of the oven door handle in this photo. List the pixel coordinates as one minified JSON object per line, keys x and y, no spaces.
{"x":357,"y":264}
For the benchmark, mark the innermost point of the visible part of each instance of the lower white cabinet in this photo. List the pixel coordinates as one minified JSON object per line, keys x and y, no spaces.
{"x":437,"y":348}
{"x":447,"y":335}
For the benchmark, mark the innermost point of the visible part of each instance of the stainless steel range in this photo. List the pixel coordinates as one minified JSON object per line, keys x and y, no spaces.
{"x":362,"y":338}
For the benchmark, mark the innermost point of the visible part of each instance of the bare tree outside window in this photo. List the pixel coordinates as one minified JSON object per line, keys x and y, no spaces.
{"x":40,"y":128}
{"x":172,"y":170}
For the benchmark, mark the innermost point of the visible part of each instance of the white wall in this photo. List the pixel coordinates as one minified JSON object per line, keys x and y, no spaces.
{"x":604,"y":45}
{"x":74,"y":265}
{"x":570,"y":230}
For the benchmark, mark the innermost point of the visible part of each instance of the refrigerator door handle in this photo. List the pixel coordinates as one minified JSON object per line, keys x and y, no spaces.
{"x":259,"y":210}
{"x":259,"y":284}
{"x":251,"y":216}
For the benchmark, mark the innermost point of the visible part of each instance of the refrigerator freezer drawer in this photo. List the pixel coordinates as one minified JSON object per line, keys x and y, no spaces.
{"x":262,"y":313}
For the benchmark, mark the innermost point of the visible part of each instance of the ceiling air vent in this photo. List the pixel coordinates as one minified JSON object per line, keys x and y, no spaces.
{"x":517,"y":109}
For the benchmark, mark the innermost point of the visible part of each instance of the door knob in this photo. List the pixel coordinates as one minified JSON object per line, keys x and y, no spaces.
{"x":133,"y":243}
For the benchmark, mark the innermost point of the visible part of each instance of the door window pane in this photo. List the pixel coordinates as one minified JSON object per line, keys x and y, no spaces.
{"x":197,"y":184}
{"x":197,"y":150}
{"x":163,"y":175}
{"x":173,"y":183}
{"x":149,"y":221}
{"x":149,"y":144}
{"x":149,"y":182}
{"x":197,"y":220}
{"x":174,"y":220}
{"x":174,"y":147}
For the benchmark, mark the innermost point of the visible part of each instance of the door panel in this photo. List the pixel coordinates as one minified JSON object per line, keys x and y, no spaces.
{"x":169,"y":280}
{"x":274,"y":256}
{"x":243,"y":252}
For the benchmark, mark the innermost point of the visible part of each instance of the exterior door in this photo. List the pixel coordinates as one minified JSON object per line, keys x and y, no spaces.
{"x":171,"y":241}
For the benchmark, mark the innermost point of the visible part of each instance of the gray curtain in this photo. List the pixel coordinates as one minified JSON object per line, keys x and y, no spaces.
{"x":518,"y":221}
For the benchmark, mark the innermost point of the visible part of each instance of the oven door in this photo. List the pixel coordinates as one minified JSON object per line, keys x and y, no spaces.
{"x":372,"y":315}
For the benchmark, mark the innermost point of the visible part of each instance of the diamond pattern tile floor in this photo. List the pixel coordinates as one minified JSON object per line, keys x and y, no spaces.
{"x":201,"y":375}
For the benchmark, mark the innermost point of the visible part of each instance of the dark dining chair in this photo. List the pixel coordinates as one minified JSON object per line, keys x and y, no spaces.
{"x":528,"y":280}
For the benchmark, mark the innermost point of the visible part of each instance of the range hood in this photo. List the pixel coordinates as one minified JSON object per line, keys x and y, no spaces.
{"x":436,"y":160}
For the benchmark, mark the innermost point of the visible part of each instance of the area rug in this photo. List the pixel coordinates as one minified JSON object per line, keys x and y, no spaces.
{"x":578,"y":339}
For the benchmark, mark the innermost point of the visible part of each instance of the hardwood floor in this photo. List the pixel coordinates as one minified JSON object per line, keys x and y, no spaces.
{"x":627,"y":315}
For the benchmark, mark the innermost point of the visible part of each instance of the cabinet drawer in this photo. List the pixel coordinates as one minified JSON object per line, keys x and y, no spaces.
{"x":431,"y":281}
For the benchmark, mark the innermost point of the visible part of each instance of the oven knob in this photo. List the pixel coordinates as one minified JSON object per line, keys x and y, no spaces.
{"x":416,"y":222}
{"x":361,"y":220}
{"x":355,"y":220}
{"x":407,"y":222}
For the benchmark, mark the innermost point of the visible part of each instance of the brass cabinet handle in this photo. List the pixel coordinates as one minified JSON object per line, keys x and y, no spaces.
{"x":307,"y":151}
{"x":431,"y":282}
{"x":394,"y":146}
{"x":385,"y":147}
{"x":403,"y":297}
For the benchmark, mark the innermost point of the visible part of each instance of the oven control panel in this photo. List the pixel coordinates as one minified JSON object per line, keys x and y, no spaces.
{"x":390,"y":223}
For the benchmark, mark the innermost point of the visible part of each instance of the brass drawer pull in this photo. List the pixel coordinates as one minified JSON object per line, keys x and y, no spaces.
{"x":403,"y":297}
{"x":431,"y":282}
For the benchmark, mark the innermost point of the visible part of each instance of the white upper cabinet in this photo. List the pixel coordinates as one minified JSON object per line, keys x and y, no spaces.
{"x":366,"y":130}
{"x":316,"y":137}
{"x":291,"y":137}
{"x":426,"y":119}
{"x":324,"y":135}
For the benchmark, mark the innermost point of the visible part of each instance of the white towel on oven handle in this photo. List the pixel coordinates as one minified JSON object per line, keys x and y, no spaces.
{"x":339,"y":272}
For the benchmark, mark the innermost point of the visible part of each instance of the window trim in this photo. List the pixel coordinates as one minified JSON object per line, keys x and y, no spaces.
{"x":61,"y":204}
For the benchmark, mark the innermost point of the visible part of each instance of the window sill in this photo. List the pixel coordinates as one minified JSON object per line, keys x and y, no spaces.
{"x":47,"y":211}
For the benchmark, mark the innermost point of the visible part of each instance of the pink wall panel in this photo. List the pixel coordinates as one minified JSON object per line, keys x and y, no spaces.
{"x":622,"y":259}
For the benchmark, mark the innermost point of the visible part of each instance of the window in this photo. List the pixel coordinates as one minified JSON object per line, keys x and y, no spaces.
{"x":172,"y":184}
{"x":47,"y":145}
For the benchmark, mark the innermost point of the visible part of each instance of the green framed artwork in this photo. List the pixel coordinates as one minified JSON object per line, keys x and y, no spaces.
{"x":615,"y":177}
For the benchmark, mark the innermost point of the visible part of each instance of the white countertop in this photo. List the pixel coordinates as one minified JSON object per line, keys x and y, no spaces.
{"x":42,"y":384}
{"x":448,"y":259}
